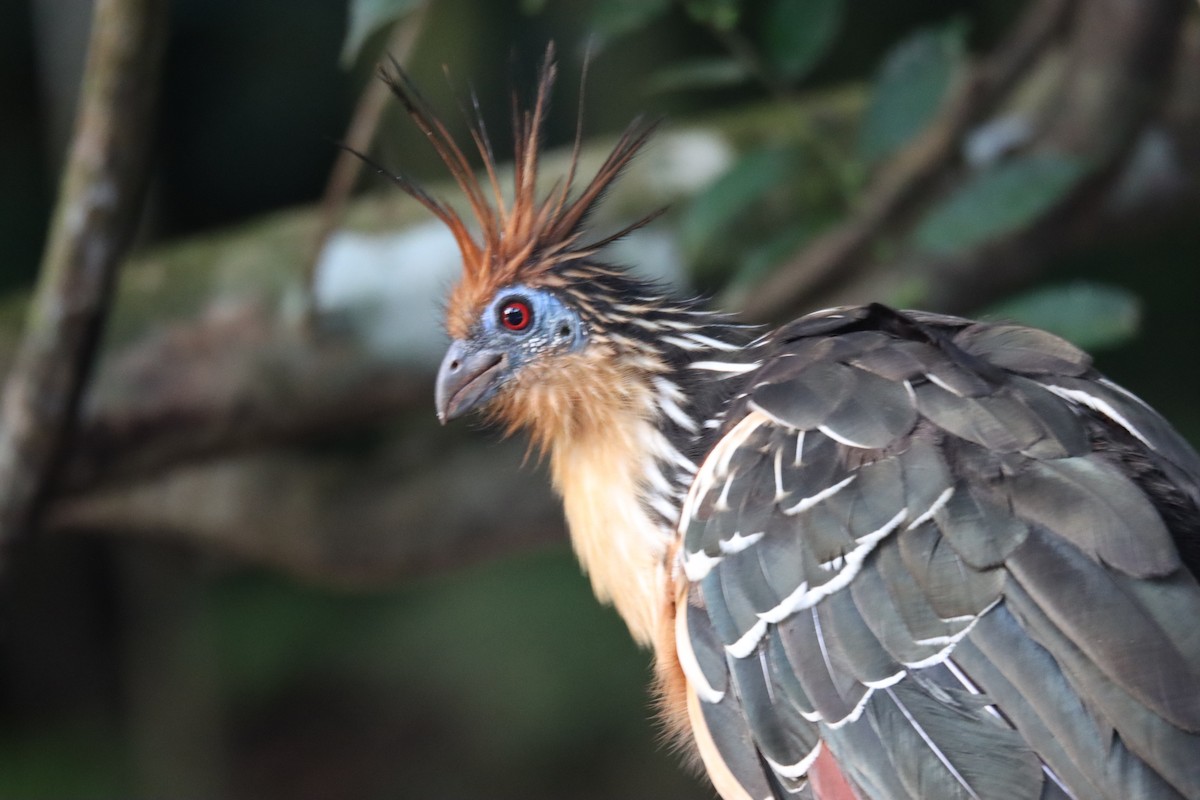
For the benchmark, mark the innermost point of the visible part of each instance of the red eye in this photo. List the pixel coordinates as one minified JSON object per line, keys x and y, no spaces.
{"x":515,"y":315}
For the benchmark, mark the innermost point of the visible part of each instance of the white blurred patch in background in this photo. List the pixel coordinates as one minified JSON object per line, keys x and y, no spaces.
{"x":389,"y":288}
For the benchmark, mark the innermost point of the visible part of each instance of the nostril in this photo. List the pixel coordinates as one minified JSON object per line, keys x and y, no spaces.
{"x":454,"y":364}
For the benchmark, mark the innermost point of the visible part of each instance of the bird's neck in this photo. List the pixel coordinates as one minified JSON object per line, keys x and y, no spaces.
{"x":623,"y":461}
{"x":608,"y":479}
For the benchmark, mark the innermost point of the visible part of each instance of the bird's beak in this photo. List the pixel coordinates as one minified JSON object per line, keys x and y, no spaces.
{"x":468,"y":376}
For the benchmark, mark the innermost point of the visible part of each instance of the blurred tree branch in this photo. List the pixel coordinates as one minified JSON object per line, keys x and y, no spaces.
{"x":100,"y":199}
{"x":1112,"y":83}
{"x":1120,"y":62}
{"x":213,"y":421}
{"x":360,"y":134}
{"x":911,"y":175}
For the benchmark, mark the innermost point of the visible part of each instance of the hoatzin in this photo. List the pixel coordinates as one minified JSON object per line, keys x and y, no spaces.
{"x":878,"y":554}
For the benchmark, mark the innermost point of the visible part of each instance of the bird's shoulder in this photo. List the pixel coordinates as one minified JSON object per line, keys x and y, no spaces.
{"x":865,"y":383}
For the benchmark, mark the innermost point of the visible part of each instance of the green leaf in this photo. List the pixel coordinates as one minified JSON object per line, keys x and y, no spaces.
{"x":368,"y":17}
{"x":710,"y":213}
{"x":722,"y":15}
{"x":998,"y":201}
{"x":1092,"y":315}
{"x":797,"y":33}
{"x":762,"y":260}
{"x":612,"y":18}
{"x":704,"y":73}
{"x":909,"y":88}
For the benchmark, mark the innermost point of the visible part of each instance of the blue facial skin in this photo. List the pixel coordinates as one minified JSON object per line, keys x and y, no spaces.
{"x":555,"y":328}
{"x":474,"y":369}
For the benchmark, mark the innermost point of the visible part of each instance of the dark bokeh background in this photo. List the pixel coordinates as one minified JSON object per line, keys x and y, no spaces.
{"x":128,"y":668}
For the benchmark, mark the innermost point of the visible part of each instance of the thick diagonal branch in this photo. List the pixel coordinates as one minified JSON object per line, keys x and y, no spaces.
{"x":96,"y":214}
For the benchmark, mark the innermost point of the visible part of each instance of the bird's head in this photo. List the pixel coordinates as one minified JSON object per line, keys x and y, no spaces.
{"x":535,"y":319}
{"x":520,"y":330}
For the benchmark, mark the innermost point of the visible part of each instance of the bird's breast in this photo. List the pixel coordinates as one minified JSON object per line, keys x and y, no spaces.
{"x":603,"y":479}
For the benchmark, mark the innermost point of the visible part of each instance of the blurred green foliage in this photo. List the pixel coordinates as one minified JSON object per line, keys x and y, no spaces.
{"x":367,"y":17}
{"x":795,"y":34}
{"x":721,"y":15}
{"x":709,"y":217}
{"x":1092,"y":315}
{"x":998,"y":200}
{"x":910,"y":86}
{"x":619,"y":17}
{"x":699,"y":73}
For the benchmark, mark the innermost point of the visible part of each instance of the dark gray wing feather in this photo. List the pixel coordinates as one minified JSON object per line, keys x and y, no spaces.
{"x":958,"y":750}
{"x":954,"y":555}
{"x":1113,"y":629}
{"x":1091,"y":504}
{"x":1142,"y":752}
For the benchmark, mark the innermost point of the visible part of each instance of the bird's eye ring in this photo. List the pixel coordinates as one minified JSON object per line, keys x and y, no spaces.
{"x":515,"y":315}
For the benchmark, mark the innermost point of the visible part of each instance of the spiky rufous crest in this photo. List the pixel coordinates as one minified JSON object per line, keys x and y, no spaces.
{"x":520,"y":240}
